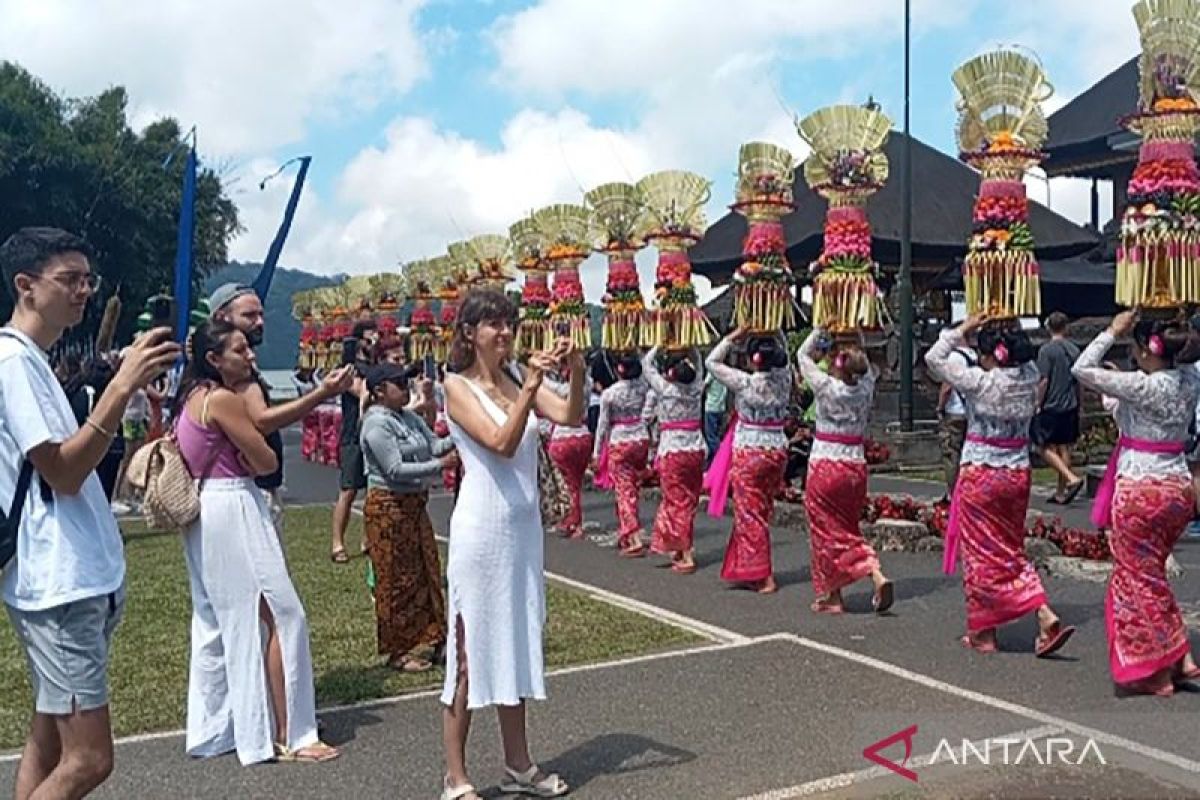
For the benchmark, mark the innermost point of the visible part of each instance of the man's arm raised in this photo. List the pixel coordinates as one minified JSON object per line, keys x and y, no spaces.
{"x":268,"y":418}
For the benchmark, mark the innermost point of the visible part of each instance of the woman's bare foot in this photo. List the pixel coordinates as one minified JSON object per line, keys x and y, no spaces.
{"x":1159,"y":685}
{"x":981,"y":641}
{"x":767,"y":585}
{"x":828,"y":604}
{"x":1186,"y":670}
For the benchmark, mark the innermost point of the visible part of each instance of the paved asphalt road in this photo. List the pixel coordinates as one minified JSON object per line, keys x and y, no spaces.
{"x":780,"y":704}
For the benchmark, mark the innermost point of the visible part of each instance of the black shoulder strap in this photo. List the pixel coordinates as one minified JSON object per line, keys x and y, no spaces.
{"x":18,"y":502}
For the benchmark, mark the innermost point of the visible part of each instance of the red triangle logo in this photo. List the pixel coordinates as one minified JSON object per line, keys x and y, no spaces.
{"x":906,"y":736}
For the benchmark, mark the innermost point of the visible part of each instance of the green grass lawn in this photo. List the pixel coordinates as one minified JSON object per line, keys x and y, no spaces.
{"x":150,"y":651}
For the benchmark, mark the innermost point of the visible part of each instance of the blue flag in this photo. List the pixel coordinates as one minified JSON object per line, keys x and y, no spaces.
{"x":262,"y":284}
{"x":183,"y":250}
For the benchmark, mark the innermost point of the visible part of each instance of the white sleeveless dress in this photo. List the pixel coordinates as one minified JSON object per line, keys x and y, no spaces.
{"x":495,"y":570}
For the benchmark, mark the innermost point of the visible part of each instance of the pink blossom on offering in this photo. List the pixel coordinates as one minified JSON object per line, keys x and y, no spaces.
{"x":1168,"y":150}
{"x":846,"y":214}
{"x":1002,"y":188}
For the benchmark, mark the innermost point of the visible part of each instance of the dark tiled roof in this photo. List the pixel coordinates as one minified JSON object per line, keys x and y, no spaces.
{"x":944,"y":190}
{"x":1094,"y":115}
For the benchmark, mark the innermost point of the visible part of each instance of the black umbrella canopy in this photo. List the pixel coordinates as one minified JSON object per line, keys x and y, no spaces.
{"x":944,"y":191}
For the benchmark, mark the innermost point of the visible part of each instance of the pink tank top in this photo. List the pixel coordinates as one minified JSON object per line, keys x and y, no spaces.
{"x":197,"y":445}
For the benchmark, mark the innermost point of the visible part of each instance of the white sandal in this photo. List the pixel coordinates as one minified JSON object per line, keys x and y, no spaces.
{"x":522,"y":783}
{"x":457,"y":792}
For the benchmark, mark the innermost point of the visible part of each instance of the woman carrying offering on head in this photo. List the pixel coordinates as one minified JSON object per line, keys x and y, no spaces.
{"x":1146,"y":500}
{"x":836,"y":487}
{"x":621,"y":448}
{"x":753,"y":457}
{"x":681,"y":454}
{"x":991,"y":496}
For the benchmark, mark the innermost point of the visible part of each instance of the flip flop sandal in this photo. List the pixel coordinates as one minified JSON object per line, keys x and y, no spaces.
{"x":683,"y":569}
{"x":883,"y":599}
{"x":1142,"y":689}
{"x":339,"y":556}
{"x":1186,"y":675}
{"x":633,"y":552}
{"x":522,"y":783}
{"x":1059,"y":634}
{"x":458,"y":792}
{"x":1073,"y":491}
{"x":318,"y":753}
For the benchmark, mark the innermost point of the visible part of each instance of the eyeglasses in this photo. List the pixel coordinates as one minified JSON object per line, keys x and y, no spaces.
{"x":75,"y":281}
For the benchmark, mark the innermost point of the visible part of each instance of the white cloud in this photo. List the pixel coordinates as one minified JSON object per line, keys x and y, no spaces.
{"x":250,"y":75}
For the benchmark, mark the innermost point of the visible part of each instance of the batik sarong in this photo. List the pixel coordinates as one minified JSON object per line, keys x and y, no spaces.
{"x":1000,"y":582}
{"x":626,"y":463}
{"x":756,"y":476}
{"x":571,"y":455}
{"x":680,"y":475}
{"x":1146,"y":632}
{"x":834,"y":495}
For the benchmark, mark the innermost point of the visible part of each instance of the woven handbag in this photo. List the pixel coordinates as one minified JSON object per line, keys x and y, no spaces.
{"x":170,"y":497}
{"x":552,"y":489}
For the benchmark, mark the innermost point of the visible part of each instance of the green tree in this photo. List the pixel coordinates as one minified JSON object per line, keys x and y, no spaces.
{"x":77,"y":164}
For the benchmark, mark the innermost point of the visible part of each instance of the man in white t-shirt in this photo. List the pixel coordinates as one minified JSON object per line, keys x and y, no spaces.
{"x":952,"y":421}
{"x":64,"y":588}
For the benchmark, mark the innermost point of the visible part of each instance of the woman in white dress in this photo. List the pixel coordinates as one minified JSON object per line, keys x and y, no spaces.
{"x":497,"y":604}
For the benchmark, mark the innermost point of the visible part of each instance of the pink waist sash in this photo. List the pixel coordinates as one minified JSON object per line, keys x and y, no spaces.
{"x":1102,"y":506}
{"x":602,"y":479}
{"x":717,"y":478}
{"x":840,"y":438}
{"x":950,"y":550}
{"x":680,"y":425}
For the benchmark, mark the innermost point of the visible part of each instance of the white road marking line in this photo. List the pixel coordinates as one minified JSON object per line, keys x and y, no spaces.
{"x":1101,"y":737}
{"x":845,"y":779}
{"x":381,"y":702}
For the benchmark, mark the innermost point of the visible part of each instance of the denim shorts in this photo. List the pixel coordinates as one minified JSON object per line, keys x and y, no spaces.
{"x":67,"y":649}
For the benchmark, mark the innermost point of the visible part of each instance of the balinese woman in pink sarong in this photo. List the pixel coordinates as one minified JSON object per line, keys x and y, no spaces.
{"x":1146,"y":501}
{"x":621,"y":448}
{"x":987,"y":514}
{"x":753,"y":456}
{"x":570,"y":448}
{"x":836,"y":488}
{"x":681,"y":454}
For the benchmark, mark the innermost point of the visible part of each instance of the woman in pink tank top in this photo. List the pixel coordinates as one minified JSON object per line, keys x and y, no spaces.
{"x":248,"y":690}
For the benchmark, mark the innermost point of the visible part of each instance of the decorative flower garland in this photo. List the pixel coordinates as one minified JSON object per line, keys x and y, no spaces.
{"x":423,"y":325}
{"x":533,"y":334}
{"x":568,"y":309}
{"x":845,"y":294}
{"x":1000,"y":272}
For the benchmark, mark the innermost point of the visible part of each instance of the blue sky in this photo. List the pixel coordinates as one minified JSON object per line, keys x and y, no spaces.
{"x":438,"y":119}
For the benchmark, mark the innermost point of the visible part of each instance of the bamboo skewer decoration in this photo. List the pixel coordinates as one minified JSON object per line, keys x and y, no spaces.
{"x":763,"y":284}
{"x":1001,"y":129}
{"x":846,"y":167}
{"x":527,"y":247}
{"x":565,"y":231}
{"x":674,"y":221}
{"x":1158,"y":260}
{"x":618,"y":218}
{"x":450,"y":278}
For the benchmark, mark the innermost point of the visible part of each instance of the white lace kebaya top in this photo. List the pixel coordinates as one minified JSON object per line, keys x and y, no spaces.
{"x":676,"y":403}
{"x":759,"y":397}
{"x":1157,"y":408}
{"x":625,"y":400}
{"x":842,"y":409}
{"x":1000,"y":402}
{"x":563,"y":389}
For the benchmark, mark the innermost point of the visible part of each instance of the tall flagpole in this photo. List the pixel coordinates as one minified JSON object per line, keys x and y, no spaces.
{"x":905,"y":282}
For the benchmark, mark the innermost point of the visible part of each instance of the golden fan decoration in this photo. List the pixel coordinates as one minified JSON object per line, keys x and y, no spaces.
{"x":419,"y":276}
{"x":566,"y":233}
{"x":388,"y":290}
{"x":674,"y":222}
{"x":1000,"y":102}
{"x":846,"y":144}
{"x":675,"y":204}
{"x":487,"y":258}
{"x":618,"y":214}
{"x":1169,"y":65}
{"x":765,"y":175}
{"x":528,"y":247}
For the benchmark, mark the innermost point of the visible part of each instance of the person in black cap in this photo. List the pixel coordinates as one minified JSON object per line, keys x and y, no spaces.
{"x":401,"y":455}
{"x":240,"y":306}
